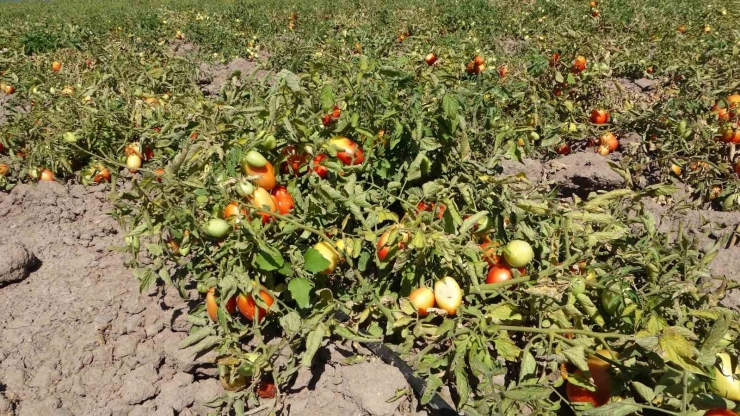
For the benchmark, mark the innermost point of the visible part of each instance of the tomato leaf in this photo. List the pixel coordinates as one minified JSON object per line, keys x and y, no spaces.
{"x":291,"y":323}
{"x":644,"y":391}
{"x":300,"y":290}
{"x":315,"y":262}
{"x":313,"y":342}
{"x":528,"y":393}
{"x":506,"y":347}
{"x":621,"y":408}
{"x":577,"y":356}
{"x":269,"y":261}
{"x":430,"y":389}
{"x":327,"y":98}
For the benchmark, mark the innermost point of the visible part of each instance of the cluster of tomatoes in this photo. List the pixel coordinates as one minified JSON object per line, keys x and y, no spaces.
{"x":728,"y":114}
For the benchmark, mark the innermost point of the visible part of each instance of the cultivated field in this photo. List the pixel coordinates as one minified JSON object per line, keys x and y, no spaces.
{"x":372,"y":207}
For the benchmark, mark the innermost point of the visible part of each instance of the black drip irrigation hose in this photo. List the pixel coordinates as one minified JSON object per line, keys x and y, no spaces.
{"x":437,"y":405}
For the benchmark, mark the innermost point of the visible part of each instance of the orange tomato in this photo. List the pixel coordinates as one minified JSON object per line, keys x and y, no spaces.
{"x":609,"y":140}
{"x":503,"y":70}
{"x":4,"y":169}
{"x":601,"y":378}
{"x":479,"y":60}
{"x":265,"y":175}
{"x":722,"y":113}
{"x":555,"y":59}
{"x":432,"y":207}
{"x":232,"y":210}
{"x":676,"y":169}
{"x":480,"y":68}
{"x":579,"y":65}
{"x":599,"y":116}
{"x":102,"y":175}
{"x":261,"y":198}
{"x":249,"y":308}
{"x":489,"y":253}
{"x":47,"y":175}
{"x":382,"y":244}
{"x":682,"y":29}
{"x":348,"y":151}
{"x":422,"y":299}
{"x":284,"y":201}
{"x":56,"y":66}
{"x":212,"y":304}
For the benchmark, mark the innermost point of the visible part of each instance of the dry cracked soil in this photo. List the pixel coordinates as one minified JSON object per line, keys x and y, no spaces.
{"x":78,"y":338}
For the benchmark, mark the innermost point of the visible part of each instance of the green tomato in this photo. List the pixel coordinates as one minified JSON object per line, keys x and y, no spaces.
{"x":255,"y":159}
{"x":244,"y":188}
{"x":518,"y":253}
{"x":730,"y":202}
{"x":133,"y":241}
{"x":484,"y":224}
{"x":577,"y":286}
{"x":425,"y":166}
{"x":216,"y":227}
{"x":614,"y":298}
{"x":69,"y":137}
{"x":269,"y":143}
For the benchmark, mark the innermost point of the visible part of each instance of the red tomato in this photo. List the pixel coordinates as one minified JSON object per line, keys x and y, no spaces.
{"x":348,"y":151}
{"x":320,"y":169}
{"x":563,"y":149}
{"x":294,"y":161}
{"x":720,"y":412}
{"x":599,"y":116}
{"x":479,"y":60}
{"x":430,"y":59}
{"x":266,"y":389}
{"x":610,"y":140}
{"x":555,"y":59}
{"x":498,"y":274}
{"x":285,"y":202}
{"x":432,"y":207}
{"x":248,"y":307}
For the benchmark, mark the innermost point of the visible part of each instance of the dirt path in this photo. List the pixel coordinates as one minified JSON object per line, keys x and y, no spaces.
{"x":77,"y":337}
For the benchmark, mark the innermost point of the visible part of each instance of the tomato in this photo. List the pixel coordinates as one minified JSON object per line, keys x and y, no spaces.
{"x":579,"y":65}
{"x":471,"y":68}
{"x":249,"y":308}
{"x":489,"y":253}
{"x":347,"y":150}
{"x":255,"y":159}
{"x":432,"y":207}
{"x":56,"y":66}
{"x":448,"y":294}
{"x":599,"y":116}
{"x":682,"y":29}
{"x":614,"y":298}
{"x":284,"y":201}
{"x":331,"y":255}
{"x":498,"y":274}
{"x":294,"y":162}
{"x":4,"y":169}
{"x":518,"y":253}
{"x":261,"y":199}
{"x":159,"y":173}
{"x":600,"y":377}
{"x":595,"y":13}
{"x":382,"y":246}
{"x":563,"y":149}
{"x":727,"y":377}
{"x":502,"y":71}
{"x":9,"y":89}
{"x":422,"y":299}
{"x":264,"y":176}
{"x":216,"y":227}
{"x":577,"y":286}
{"x":2,"y":148}
{"x":102,"y":174}
{"x":133,"y":162}
{"x":480,"y":68}
{"x":609,"y":140}
{"x":266,"y":389}
{"x":46,"y":175}
{"x":69,"y":137}
{"x":555,"y":59}
{"x":318,"y":168}
{"x":326,"y":120}
{"x":232,"y":210}
{"x":212,"y":304}
{"x":676,"y":169}
{"x":430,"y":59}
{"x":238,"y":382}
{"x":269,"y":142}
{"x":720,"y":412}
{"x":479,"y":60}
{"x":722,"y":113}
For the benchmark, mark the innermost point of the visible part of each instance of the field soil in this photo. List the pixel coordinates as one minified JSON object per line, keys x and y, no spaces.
{"x":79,"y":339}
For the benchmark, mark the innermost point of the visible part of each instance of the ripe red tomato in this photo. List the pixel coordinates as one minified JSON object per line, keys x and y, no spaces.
{"x":294,"y":162}
{"x":563,"y":149}
{"x":102,"y":175}
{"x":609,"y":140}
{"x":2,"y":148}
{"x":470,"y":68}
{"x":266,"y":389}
{"x":498,"y":274}
{"x":720,"y":412}
{"x":248,"y":307}
{"x":348,"y":151}
{"x":285,"y":202}
{"x":318,"y":168}
{"x":212,"y":304}
{"x":432,"y":207}
{"x":479,"y":60}
{"x":430,"y":58}
{"x":599,"y":116}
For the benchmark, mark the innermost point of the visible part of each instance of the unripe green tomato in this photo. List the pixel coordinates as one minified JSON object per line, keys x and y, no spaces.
{"x":577,"y":286}
{"x":33,"y":173}
{"x":133,"y":241}
{"x":254,"y":159}
{"x":244,"y":188}
{"x":533,"y":135}
{"x":727,"y":340}
{"x":69,"y":137}
{"x":184,"y":250}
{"x":202,"y":287}
{"x":216,"y":227}
{"x":614,"y":298}
{"x":425,"y":166}
{"x":269,"y":143}
{"x":518,"y":253}
{"x":484,"y":224}
{"x":730,"y":202}
{"x":52,"y":90}
{"x":682,"y":127}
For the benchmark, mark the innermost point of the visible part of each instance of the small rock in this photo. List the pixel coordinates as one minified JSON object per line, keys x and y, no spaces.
{"x":15,"y":263}
{"x":207,"y":390}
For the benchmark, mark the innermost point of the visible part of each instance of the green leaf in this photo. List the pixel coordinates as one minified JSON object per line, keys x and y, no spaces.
{"x":165,"y":275}
{"x":429,"y":143}
{"x":451,"y":106}
{"x":433,"y":383}
{"x":621,"y":408}
{"x":506,"y":347}
{"x":269,"y":261}
{"x":528,"y":366}
{"x":315,"y":262}
{"x":291,"y":323}
{"x":528,"y":393}
{"x":503,"y":312}
{"x":197,"y":336}
{"x":679,"y":350}
{"x":577,"y":356}
{"x":644,"y":391}
{"x":300,"y":290}
{"x":327,"y":98}
{"x":461,"y":382}
{"x":559,"y":77}
{"x":154,"y":249}
{"x":313,"y":342}
{"x":471,"y":221}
